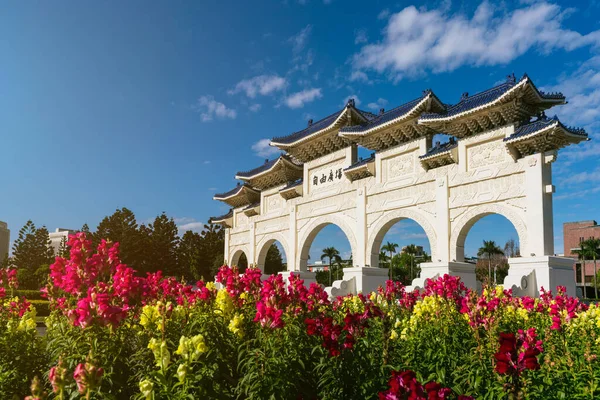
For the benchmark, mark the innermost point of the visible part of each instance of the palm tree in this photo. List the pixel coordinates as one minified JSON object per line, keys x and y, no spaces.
{"x":489,"y":249}
{"x":391,"y":248}
{"x":412,"y":251}
{"x":590,"y":248}
{"x":334,"y":255}
{"x":383,"y":258}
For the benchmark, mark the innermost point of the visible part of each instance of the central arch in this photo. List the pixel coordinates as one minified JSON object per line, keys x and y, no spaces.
{"x":264,"y":245}
{"x":386,"y":221}
{"x":313,"y":228}
{"x":466,"y":222}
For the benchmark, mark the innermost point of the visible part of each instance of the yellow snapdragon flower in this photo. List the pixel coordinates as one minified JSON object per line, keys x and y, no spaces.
{"x":223,"y":303}
{"x":235,"y":325}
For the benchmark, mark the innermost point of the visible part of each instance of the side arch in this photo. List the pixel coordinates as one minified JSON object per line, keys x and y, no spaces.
{"x":308,"y":234}
{"x":464,"y":224}
{"x":386,"y":221}
{"x":235,"y":254}
{"x":264,"y":245}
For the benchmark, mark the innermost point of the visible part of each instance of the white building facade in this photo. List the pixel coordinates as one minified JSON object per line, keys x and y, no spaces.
{"x":498,"y":160}
{"x":58,"y":237}
{"x":4,"y":240}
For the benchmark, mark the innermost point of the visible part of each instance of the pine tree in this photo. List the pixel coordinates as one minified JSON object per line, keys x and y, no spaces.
{"x":122,"y":227}
{"x":273,"y":261}
{"x":163,"y":246}
{"x":32,"y":255}
{"x":189,"y":257}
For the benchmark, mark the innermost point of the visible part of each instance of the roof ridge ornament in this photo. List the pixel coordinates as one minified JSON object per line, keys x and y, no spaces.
{"x":542,"y":116}
{"x":464,"y":96}
{"x":381,"y":111}
{"x":310,"y":122}
{"x":350,"y":103}
{"x":511,"y":79}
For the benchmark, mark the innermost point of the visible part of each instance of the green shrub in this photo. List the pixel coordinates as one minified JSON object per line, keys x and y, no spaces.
{"x":30,"y":294}
{"x":42,"y":307}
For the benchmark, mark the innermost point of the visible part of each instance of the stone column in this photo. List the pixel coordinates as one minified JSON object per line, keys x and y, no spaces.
{"x":442,"y":221}
{"x":252,"y":246}
{"x":292,"y":262}
{"x":226,"y":252}
{"x":539,"y":267}
{"x":440,"y":258}
{"x":361,"y":228}
{"x":538,"y":191}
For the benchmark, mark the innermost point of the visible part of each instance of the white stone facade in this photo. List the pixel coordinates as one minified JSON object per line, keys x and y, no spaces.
{"x":57,"y":237}
{"x":444,"y":201}
{"x":498,"y":161}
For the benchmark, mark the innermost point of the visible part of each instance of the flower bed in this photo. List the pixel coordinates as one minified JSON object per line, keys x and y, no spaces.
{"x":113,"y":334}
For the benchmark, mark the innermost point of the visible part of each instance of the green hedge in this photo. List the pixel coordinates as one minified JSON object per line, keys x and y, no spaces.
{"x":42,"y":307}
{"x":30,"y":294}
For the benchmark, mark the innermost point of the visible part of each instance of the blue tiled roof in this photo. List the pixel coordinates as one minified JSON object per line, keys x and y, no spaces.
{"x":266,"y":166}
{"x":540,"y":124}
{"x":361,"y":162}
{"x":440,"y":149}
{"x":229,"y":193}
{"x":221,"y":217}
{"x":319,"y":125}
{"x":290,"y":185}
{"x":387,"y":116}
{"x":487,"y":96}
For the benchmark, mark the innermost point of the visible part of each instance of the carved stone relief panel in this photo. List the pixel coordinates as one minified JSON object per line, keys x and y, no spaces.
{"x":240,"y":238}
{"x":397,"y":167}
{"x":241,"y":220}
{"x":486,"y":172}
{"x":327,"y":205}
{"x":501,"y":188}
{"x":273,"y":203}
{"x":402,"y":197}
{"x":486,"y":154}
{"x":272,"y":225}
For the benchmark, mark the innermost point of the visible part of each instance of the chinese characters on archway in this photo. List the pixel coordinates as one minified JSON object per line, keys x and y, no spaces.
{"x":324,"y":177}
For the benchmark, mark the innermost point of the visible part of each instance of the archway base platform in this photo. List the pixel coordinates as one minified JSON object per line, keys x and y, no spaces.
{"x":528,"y":275}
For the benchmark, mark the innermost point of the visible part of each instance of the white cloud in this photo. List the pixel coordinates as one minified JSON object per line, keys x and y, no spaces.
{"x":384,"y":14}
{"x":209,"y":108}
{"x":418,"y":40}
{"x":352,"y":96}
{"x":300,"y":39}
{"x":380,"y":103}
{"x":298,"y":99}
{"x":185,"y":224}
{"x":263,"y":149}
{"x":262,"y":84}
{"x":206,"y":162}
{"x":359,"y":76}
{"x":360,"y":36}
{"x":582,"y":90}
{"x":255,"y":107}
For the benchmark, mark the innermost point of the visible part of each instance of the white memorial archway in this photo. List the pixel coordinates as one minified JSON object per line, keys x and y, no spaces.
{"x":498,"y":161}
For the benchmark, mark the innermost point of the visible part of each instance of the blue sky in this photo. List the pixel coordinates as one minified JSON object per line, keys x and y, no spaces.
{"x":155,"y":105}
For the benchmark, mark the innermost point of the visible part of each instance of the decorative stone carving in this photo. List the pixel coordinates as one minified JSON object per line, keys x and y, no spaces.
{"x":502,"y":188}
{"x":486,"y":154}
{"x":397,"y":167}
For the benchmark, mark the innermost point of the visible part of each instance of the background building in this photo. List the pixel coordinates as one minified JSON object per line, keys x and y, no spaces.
{"x":574,"y":233}
{"x":4,"y":240}
{"x":57,"y":237}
